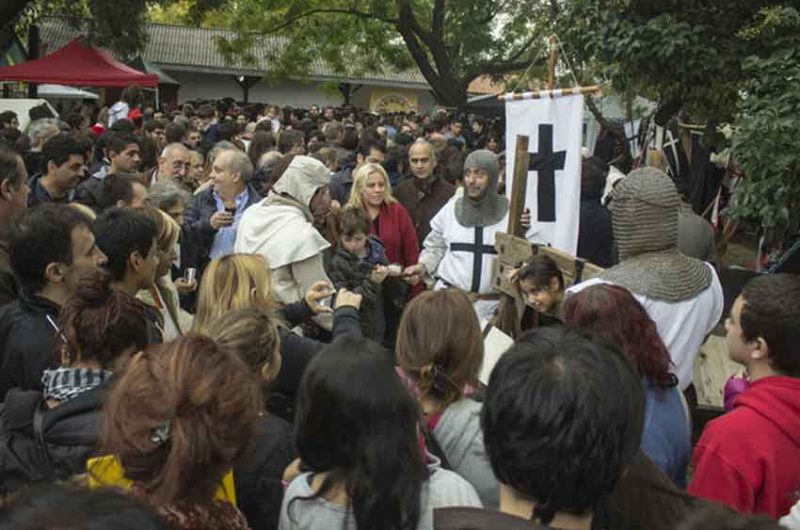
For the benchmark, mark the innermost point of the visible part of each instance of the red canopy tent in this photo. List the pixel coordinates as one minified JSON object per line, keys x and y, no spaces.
{"x":78,"y":64}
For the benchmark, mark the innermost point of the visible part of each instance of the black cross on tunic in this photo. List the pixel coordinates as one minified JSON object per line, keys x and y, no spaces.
{"x":478,"y":249}
{"x":545,"y":163}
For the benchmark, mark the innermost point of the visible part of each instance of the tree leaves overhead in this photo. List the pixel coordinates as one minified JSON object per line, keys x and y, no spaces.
{"x":765,"y":140}
{"x":686,"y":54}
{"x":451,"y":42}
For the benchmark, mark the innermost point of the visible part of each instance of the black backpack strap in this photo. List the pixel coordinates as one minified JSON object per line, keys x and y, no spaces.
{"x":433,"y":446}
{"x":38,"y":431}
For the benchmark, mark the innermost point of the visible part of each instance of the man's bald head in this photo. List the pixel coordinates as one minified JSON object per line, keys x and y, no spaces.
{"x":422,"y":159}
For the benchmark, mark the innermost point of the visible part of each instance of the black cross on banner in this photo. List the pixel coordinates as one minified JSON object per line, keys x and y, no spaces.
{"x":478,"y":249}
{"x":545,"y":163}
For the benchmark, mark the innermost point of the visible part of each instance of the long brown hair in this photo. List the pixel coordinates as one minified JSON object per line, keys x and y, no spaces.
{"x":439,"y":344}
{"x":99,"y":323}
{"x":179,"y":417}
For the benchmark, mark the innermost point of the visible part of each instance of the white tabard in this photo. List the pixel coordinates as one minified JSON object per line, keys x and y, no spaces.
{"x":468,"y":256}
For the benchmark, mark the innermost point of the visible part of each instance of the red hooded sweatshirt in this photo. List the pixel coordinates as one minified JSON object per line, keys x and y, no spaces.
{"x":749,"y":458}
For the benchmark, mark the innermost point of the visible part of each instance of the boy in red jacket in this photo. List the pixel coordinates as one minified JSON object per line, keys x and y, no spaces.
{"x":750,"y":457}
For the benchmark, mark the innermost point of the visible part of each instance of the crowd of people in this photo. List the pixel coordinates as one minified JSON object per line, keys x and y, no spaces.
{"x":246,"y":317}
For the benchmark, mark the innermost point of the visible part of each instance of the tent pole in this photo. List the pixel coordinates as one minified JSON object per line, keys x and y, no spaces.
{"x":33,"y":53}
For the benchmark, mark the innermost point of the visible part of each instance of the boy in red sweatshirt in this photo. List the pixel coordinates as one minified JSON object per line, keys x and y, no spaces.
{"x":750,"y":457}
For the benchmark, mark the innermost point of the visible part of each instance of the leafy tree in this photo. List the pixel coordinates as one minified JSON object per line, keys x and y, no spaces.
{"x":765,"y":140}
{"x":451,"y":43}
{"x":685,"y":54}
{"x":116,"y":24}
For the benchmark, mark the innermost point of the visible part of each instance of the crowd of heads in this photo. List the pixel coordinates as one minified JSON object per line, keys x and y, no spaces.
{"x":559,"y":421}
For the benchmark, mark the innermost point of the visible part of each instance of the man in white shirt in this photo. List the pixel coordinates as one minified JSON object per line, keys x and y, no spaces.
{"x":682,"y":295}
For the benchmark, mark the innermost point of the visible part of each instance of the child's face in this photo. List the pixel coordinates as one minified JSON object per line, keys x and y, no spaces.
{"x":355,"y":243}
{"x":541,"y":298}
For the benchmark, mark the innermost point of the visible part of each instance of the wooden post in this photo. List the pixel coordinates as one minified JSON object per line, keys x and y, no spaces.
{"x":507,"y":319}
{"x":518,"y":191}
{"x":551,"y":63}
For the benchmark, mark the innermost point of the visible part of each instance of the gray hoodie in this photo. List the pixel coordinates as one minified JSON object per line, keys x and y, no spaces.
{"x":460,"y":436}
{"x":443,"y":489}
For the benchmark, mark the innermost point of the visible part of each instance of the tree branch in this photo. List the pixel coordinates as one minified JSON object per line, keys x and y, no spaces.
{"x":590,"y":104}
{"x":522,"y":49}
{"x":434,"y":42}
{"x":437,"y":25}
{"x":493,"y":68}
{"x":337,"y":11}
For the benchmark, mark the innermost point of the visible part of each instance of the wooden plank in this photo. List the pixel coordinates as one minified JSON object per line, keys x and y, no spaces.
{"x":519,"y":187}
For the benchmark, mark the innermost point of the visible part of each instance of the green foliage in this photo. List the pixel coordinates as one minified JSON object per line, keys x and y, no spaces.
{"x":685,"y":54}
{"x":115,"y":24}
{"x":766,"y":142}
{"x":450,"y":42}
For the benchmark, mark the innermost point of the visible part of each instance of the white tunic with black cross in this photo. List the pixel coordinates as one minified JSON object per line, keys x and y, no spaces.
{"x":462,"y":257}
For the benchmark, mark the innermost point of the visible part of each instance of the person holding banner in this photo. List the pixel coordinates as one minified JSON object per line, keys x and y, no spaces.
{"x":459,"y":251}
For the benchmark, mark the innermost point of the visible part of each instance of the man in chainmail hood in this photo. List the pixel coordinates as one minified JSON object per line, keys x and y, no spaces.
{"x":459,"y":250}
{"x":682,"y":295}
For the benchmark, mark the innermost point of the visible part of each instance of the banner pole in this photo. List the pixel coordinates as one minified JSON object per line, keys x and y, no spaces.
{"x":520,"y":186}
{"x":516,"y":96}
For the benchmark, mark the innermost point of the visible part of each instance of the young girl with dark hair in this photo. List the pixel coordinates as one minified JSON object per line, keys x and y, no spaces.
{"x":50,"y":434}
{"x":177,"y":420}
{"x":541,"y":282}
{"x":440,"y":348}
{"x":356,"y":433}
{"x":612,"y":313}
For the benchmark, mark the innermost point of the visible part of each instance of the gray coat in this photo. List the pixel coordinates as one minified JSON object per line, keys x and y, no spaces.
{"x":460,"y":436}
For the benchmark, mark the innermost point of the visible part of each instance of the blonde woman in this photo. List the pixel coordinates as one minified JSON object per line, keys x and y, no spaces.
{"x":241,"y":281}
{"x":389,"y":219}
{"x":163,"y":295}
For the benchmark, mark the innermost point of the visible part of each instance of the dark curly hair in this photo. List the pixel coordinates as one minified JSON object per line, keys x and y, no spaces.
{"x":771,"y":311}
{"x":99,"y":323}
{"x":613,"y":314}
{"x":562,"y":419}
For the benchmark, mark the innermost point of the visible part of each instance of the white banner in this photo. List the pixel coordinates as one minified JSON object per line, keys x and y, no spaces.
{"x":554,"y":127}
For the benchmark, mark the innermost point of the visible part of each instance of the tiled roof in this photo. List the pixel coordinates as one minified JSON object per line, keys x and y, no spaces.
{"x":485,"y":85}
{"x":191,"y":48}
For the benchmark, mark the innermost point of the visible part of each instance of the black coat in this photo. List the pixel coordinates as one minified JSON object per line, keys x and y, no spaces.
{"x":595,"y":237}
{"x":58,"y":450}
{"x":91,"y":192}
{"x":28,"y":344}
{"x":258,"y":474}
{"x":297,"y":352}
{"x":197,"y":226}
{"x":348,"y":271}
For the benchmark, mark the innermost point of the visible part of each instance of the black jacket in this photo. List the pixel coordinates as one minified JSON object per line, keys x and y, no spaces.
{"x":39,"y":194}
{"x":595,"y":237}
{"x":341,"y":184}
{"x":28,"y":344}
{"x":297,"y":352}
{"x":91,"y":193}
{"x":348,"y":271}
{"x":9,"y":289}
{"x":258,"y":474}
{"x":37,"y":444}
{"x":464,"y":518}
{"x":197,"y":223}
